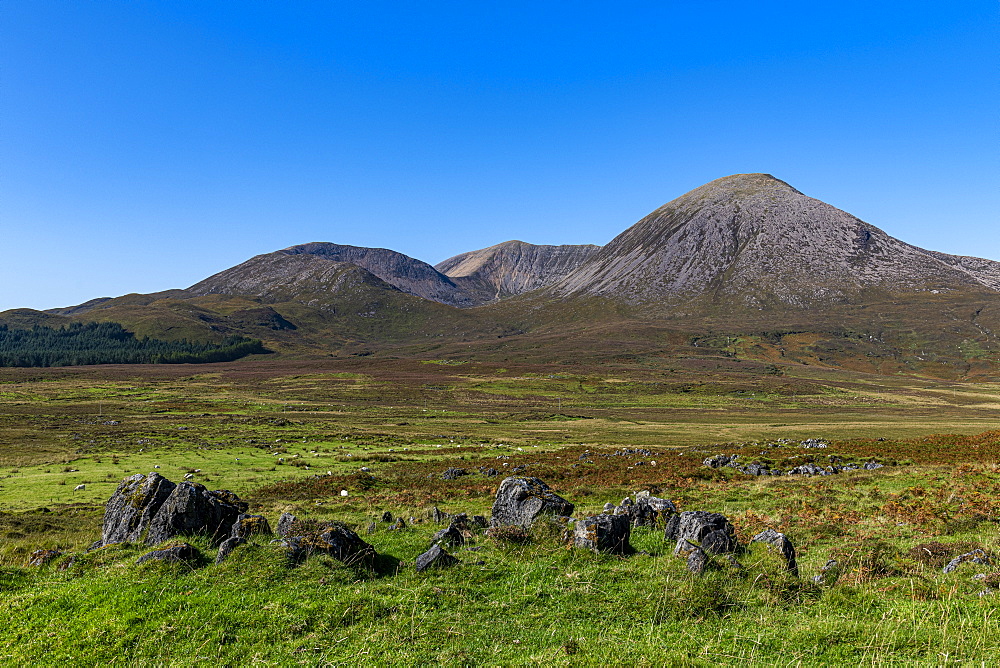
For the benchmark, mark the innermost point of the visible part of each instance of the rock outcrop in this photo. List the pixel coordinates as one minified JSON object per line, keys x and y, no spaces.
{"x":519,"y":501}
{"x":604,"y":533}
{"x":152,"y":509}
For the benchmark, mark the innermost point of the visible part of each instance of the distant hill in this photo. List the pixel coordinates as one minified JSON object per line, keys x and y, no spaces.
{"x":743,"y":266}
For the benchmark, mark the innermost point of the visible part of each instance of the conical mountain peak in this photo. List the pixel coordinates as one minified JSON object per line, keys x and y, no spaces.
{"x":753,"y":240}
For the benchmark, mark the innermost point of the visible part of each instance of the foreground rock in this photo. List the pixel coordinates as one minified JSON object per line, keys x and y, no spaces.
{"x":435,"y":557}
{"x":305,"y":537}
{"x":778,"y":541}
{"x":520,"y":500}
{"x":696,"y":525}
{"x":244,"y":527}
{"x":181,"y":553}
{"x":152,"y":509}
{"x":604,"y":533}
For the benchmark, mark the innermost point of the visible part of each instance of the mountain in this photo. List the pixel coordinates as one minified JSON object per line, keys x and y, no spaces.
{"x":513,"y":268}
{"x":321,"y":266}
{"x":752,"y":240}
{"x":745,"y":266}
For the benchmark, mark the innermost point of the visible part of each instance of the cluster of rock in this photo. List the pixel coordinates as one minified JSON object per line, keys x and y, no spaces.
{"x":809,"y":468}
{"x":151,"y":510}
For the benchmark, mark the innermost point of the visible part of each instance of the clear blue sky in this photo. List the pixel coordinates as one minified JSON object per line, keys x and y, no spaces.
{"x":146,"y":145}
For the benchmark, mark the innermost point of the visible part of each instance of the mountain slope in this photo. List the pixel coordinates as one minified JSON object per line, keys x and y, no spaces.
{"x":513,"y":267}
{"x":751,"y":240}
{"x":400,"y":271}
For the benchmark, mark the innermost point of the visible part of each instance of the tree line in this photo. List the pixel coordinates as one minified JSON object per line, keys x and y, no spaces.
{"x":110,"y":343}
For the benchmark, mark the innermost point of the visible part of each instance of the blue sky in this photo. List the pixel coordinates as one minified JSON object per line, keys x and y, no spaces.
{"x":146,"y":145}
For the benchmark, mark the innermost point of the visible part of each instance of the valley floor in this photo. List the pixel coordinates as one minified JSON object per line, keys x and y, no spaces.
{"x":290,"y":435}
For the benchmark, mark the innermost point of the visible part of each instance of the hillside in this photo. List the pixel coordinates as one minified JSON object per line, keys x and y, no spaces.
{"x":513,"y":268}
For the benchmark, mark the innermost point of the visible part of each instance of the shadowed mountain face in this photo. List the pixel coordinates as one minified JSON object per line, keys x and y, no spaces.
{"x":752,"y":240}
{"x":513,"y":268}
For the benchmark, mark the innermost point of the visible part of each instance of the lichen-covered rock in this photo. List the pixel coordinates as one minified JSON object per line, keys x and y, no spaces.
{"x":153,"y":509}
{"x":244,"y":527}
{"x":305,"y":537}
{"x":42,"y":557}
{"x":697,"y":561}
{"x":130,"y":510}
{"x":251,"y":525}
{"x":694,"y":525}
{"x":193,"y":509}
{"x":227,"y":547}
{"x":779,"y":542}
{"x":519,"y":500}
{"x":453,"y":473}
{"x":604,"y":533}
{"x":180,"y":553}
{"x":435,"y":557}
{"x":829,"y":574}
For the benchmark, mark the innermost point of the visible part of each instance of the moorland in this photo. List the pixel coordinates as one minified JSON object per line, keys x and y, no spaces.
{"x":289,"y":435}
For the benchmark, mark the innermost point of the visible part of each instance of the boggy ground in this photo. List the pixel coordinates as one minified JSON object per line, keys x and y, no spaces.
{"x":291,"y":435}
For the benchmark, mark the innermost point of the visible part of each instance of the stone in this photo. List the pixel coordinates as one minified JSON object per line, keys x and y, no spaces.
{"x":604,"y":533}
{"x":435,"y":557}
{"x":397,"y":525}
{"x":129,"y":511}
{"x":694,"y":525}
{"x":974,"y":557}
{"x":697,"y":561}
{"x":829,"y":574}
{"x":227,"y":546}
{"x":372,"y":526}
{"x":180,"y":553}
{"x":871,"y":466}
{"x":246,"y":526}
{"x":42,"y":557}
{"x":779,"y":542}
{"x":650,"y":511}
{"x":720,"y":461}
{"x":719,"y":542}
{"x":439,"y":516}
{"x":387,"y":517}
{"x":491,"y":472}
{"x":520,"y":500}
{"x":457,"y":533}
{"x":306,"y":537}
{"x":193,"y":509}
{"x":684,"y":547}
{"x":479,"y":522}
{"x":285,"y":522}
{"x":609,"y":507}
{"x":79,"y":488}
{"x":453,"y":473}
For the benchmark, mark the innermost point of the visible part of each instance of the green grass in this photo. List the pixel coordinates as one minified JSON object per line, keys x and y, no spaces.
{"x":541,"y":603}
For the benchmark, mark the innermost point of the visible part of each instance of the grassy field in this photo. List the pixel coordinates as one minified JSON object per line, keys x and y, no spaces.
{"x":290,"y":435}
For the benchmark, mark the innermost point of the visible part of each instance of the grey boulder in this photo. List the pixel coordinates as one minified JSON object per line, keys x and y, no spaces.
{"x":520,"y":500}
